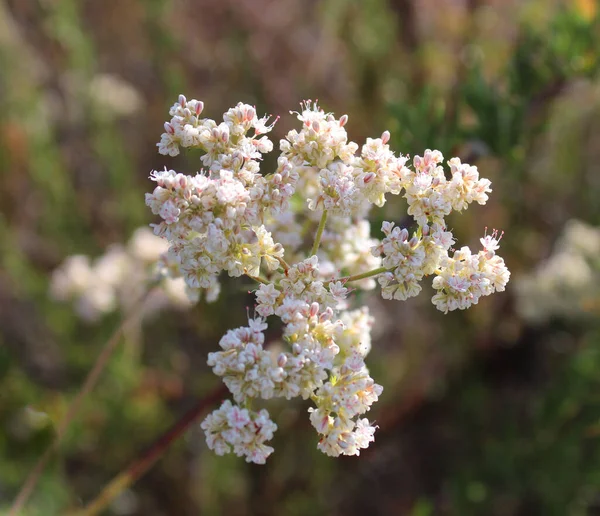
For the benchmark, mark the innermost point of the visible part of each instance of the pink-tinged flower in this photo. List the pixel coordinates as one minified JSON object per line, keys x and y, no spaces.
{"x":169,"y":212}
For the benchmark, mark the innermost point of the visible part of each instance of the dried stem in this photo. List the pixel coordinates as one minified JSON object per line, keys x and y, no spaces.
{"x":88,"y":385}
{"x":146,"y":459}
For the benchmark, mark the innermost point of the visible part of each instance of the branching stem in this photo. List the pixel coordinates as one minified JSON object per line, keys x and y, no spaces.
{"x":259,"y":279}
{"x":356,"y":277}
{"x":284,"y":264}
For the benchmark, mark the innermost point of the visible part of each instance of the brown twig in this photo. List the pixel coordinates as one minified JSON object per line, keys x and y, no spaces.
{"x":88,"y":385}
{"x":146,"y":459}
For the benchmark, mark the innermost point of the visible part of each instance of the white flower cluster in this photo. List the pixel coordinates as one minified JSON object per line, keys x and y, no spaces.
{"x":214,"y":220}
{"x":118,"y":278}
{"x":233,"y":218}
{"x":322,"y":347}
{"x":460,"y":280}
{"x":244,"y":431}
{"x":465,"y":277}
{"x":567,"y":283}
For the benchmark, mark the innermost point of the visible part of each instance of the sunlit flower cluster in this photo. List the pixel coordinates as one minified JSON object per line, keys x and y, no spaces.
{"x":302,"y":233}
{"x":567,"y":283}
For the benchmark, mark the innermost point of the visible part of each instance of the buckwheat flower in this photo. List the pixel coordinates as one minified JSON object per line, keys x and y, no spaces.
{"x":321,"y":140}
{"x":490,"y":243}
{"x":401,"y":285}
{"x":240,"y":118}
{"x":378,"y":171}
{"x":269,"y":250}
{"x":244,"y":365}
{"x":466,"y":186}
{"x":405,"y":260}
{"x":337,"y":192}
{"x":168,"y":143}
{"x":231,"y":428}
{"x":435,"y":243}
{"x":441,"y":236}
{"x":363,"y":433}
{"x":464,"y":277}
{"x":429,"y":200}
{"x":266,"y":297}
{"x":182,"y":128}
{"x":338,"y":291}
{"x":280,"y":186}
{"x":350,"y":392}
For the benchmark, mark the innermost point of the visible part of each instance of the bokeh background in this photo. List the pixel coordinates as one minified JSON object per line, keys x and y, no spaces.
{"x":493,"y":411}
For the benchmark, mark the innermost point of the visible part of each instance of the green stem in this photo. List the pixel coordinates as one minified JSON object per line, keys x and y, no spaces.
{"x":259,"y":279}
{"x":357,"y":277}
{"x":319,"y":234}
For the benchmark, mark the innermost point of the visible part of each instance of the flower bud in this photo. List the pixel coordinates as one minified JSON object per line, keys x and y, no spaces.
{"x":199,"y":107}
{"x":169,"y":128}
{"x":343,"y":120}
{"x":314,"y":309}
{"x":385,"y":137}
{"x":326,"y":315}
{"x":281,"y":360}
{"x":368,"y":177}
{"x":182,"y":100}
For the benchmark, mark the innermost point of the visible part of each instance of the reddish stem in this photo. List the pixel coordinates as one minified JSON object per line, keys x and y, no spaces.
{"x":147,"y":458}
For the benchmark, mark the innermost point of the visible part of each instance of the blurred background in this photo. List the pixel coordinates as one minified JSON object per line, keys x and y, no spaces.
{"x":492,"y":411}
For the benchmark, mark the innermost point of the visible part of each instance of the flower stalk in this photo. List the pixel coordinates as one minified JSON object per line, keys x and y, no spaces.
{"x":319,"y":234}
